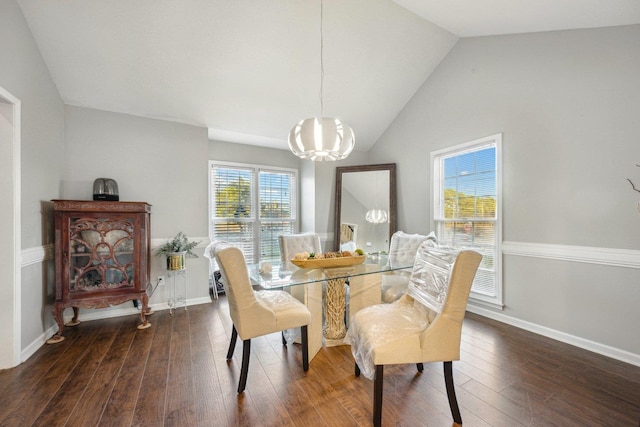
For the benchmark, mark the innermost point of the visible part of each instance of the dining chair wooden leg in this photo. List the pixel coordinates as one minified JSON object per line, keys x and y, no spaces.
{"x":284,"y":339}
{"x":377,"y":396}
{"x":305,"y":347}
{"x":246,"y":352}
{"x":357,"y":370}
{"x":451,"y":393}
{"x":232,"y":344}
{"x":420,"y":367}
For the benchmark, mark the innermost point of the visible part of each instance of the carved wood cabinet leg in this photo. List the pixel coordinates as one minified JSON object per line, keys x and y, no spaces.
{"x":143,"y":312}
{"x":58,"y":311}
{"x":74,"y":321}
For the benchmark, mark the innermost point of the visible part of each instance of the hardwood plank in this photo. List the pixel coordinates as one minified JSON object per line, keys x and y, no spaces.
{"x":91,"y":404}
{"x":180,"y":396}
{"x":34,"y":399}
{"x":208,"y":407}
{"x":123,"y":398}
{"x":19,"y":382}
{"x":29,"y":372}
{"x":72,"y":391}
{"x":318,"y":390}
{"x":150,"y":406}
{"x":296,"y":404}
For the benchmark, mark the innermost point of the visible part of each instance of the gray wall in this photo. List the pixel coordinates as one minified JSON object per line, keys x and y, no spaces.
{"x":568,"y":105}
{"x":24,"y":74}
{"x":241,"y":153}
{"x":154,"y":161}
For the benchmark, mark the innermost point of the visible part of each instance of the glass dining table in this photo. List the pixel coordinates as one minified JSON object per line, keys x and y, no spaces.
{"x":324,"y":292}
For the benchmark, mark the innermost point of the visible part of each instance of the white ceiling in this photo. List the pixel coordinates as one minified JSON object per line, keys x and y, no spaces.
{"x":249,"y":70}
{"x":471,"y":18}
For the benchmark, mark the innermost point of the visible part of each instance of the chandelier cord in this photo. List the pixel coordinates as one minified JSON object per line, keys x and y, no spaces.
{"x":321,"y":61}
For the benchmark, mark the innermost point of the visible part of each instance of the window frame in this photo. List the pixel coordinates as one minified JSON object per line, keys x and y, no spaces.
{"x":256,"y":219}
{"x":437,"y":186}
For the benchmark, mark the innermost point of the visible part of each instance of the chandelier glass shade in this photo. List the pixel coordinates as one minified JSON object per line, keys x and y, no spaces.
{"x":321,"y":138}
{"x":376,"y":216}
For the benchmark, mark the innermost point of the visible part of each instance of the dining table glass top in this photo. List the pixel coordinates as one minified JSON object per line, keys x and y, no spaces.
{"x":278,"y":277}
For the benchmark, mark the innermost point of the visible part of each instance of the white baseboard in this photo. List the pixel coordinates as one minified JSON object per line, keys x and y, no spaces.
{"x":29,"y":350}
{"x":605,"y":350}
{"x":89,"y":315}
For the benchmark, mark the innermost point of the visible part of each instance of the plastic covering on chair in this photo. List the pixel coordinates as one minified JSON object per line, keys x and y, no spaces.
{"x":381,"y":324}
{"x":256,"y":313}
{"x":425,"y":325}
{"x":215,"y":278}
{"x":402,"y":252}
{"x":402,"y":318}
{"x":429,"y":282}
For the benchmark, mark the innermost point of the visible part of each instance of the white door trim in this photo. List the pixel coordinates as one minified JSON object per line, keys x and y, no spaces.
{"x":16,"y":273}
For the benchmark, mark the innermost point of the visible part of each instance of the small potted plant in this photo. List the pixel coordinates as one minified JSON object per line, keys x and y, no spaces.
{"x":176,"y":250}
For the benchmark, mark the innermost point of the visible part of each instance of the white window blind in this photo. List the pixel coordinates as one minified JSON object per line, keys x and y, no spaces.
{"x":466,"y":207}
{"x":250,"y":206}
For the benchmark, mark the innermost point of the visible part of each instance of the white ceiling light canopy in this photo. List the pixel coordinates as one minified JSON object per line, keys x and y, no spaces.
{"x":321,"y":138}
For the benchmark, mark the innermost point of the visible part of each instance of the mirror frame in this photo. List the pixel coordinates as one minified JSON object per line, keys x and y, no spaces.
{"x":391,"y":167}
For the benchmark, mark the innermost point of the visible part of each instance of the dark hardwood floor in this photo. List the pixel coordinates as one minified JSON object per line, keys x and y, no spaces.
{"x":109,"y":373}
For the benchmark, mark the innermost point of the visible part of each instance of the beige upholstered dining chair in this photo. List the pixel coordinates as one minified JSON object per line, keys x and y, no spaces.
{"x":257,"y":313}
{"x":425,"y":325}
{"x":291,"y":244}
{"x":402,"y":252}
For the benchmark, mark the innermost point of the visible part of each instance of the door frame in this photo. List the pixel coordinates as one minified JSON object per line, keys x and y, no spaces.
{"x":14,"y":208}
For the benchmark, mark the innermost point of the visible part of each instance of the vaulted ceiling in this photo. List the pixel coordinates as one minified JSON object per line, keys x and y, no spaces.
{"x":248,"y":70}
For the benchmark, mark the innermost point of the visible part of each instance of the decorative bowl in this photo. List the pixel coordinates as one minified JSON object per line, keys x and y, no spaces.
{"x":344,"y":261}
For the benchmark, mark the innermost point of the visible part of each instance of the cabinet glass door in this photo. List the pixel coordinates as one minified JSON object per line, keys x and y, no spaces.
{"x":101,"y":253}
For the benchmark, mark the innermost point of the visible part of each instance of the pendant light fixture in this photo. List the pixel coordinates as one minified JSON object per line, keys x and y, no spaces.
{"x":321,"y":138}
{"x":376,"y":215}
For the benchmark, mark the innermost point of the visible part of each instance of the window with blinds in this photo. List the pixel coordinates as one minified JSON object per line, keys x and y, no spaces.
{"x":250,"y":206}
{"x":466,"y":207}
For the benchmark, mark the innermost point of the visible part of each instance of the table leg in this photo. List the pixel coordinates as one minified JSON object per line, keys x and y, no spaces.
{"x":313,"y":302}
{"x":334,"y":309}
{"x":364,"y":291}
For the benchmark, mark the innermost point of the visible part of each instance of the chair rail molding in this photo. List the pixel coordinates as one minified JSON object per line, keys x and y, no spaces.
{"x":36,"y":255}
{"x":628,"y":258}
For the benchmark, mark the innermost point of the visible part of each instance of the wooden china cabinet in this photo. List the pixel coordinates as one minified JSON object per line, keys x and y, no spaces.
{"x":102,"y":257}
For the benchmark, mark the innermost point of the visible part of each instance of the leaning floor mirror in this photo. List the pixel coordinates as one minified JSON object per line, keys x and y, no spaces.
{"x":365,"y":203}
